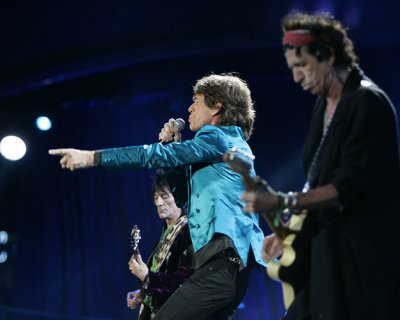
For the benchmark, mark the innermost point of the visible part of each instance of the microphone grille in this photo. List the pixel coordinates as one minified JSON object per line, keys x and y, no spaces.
{"x":179,"y":124}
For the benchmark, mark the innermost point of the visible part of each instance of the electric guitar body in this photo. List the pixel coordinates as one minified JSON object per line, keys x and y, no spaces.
{"x":292,"y":269}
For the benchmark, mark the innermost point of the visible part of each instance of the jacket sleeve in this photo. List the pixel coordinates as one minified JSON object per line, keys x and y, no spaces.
{"x":368,"y":152}
{"x":208,"y":145}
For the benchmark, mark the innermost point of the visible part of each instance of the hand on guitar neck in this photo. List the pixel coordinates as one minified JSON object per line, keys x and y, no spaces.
{"x":136,"y":264}
{"x":259,"y":202}
{"x":260,"y":197}
{"x":138,"y":268}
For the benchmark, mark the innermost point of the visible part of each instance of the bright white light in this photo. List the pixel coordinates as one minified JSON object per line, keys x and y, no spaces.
{"x":12,"y":148}
{"x":3,"y":256}
{"x":366,"y":83}
{"x":3,"y":237}
{"x":43,"y":123}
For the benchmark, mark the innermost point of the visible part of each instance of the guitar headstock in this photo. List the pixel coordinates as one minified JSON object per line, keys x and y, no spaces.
{"x":239,"y":161}
{"x":135,"y":238}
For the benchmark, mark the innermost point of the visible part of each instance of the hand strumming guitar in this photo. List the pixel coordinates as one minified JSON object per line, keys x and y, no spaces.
{"x":259,"y":201}
{"x":272,"y":247}
{"x":133,"y":299}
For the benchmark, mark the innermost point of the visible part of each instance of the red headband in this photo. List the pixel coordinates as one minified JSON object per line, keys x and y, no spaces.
{"x":300,"y":38}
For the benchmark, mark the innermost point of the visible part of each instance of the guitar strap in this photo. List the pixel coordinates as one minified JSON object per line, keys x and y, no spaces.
{"x":164,"y":250}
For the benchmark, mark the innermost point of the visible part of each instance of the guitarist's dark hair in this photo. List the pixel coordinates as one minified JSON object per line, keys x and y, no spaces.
{"x":160,"y":182}
{"x":330,"y":34}
{"x":173,"y":181}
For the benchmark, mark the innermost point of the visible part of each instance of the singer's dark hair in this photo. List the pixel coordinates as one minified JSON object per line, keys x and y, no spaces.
{"x":234,"y":95}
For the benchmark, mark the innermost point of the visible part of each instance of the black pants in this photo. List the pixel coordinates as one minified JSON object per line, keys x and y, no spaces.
{"x":212,"y":293}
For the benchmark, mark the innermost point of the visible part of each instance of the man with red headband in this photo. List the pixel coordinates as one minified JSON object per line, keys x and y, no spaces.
{"x":352,"y":191}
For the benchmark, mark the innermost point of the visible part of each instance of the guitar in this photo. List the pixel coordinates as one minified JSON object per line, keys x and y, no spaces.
{"x":135,"y":238}
{"x":291,"y":269}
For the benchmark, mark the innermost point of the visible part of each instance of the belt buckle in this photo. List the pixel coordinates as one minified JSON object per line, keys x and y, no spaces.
{"x":234,"y":259}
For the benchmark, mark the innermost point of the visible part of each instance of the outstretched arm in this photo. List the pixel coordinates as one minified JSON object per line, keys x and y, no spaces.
{"x":73,"y":158}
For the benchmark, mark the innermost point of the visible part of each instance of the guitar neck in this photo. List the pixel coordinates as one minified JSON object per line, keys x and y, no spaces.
{"x":269,"y":216}
{"x":135,"y":238}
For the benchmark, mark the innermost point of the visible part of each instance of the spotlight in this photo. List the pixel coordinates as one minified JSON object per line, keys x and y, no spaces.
{"x":43,"y":123}
{"x":3,"y":237}
{"x":3,"y":256}
{"x":12,"y":148}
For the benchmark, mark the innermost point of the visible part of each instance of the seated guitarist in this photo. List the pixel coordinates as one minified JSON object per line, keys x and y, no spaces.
{"x":168,"y":266}
{"x":351,"y":160}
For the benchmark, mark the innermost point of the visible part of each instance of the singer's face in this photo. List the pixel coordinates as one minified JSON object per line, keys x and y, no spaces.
{"x":200,"y":114}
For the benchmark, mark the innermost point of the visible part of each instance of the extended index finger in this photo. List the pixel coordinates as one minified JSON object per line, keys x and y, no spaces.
{"x":58,"y":152}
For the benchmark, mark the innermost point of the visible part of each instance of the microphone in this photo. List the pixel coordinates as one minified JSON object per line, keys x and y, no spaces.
{"x":178,"y":124}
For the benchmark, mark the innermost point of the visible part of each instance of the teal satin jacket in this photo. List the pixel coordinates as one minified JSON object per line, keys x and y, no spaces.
{"x":215,"y":205}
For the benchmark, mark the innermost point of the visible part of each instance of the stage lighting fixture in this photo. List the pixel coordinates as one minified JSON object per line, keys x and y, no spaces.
{"x":12,"y":148}
{"x":3,"y":256}
{"x":3,"y":237}
{"x":43,"y":123}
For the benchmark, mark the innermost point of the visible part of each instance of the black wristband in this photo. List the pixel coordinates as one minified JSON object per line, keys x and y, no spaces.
{"x":97,"y":157}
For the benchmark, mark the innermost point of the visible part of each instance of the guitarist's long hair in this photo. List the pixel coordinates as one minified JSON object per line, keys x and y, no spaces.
{"x":173,"y":181}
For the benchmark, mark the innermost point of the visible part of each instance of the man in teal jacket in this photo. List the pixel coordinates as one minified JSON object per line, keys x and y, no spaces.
{"x":227,"y":242}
